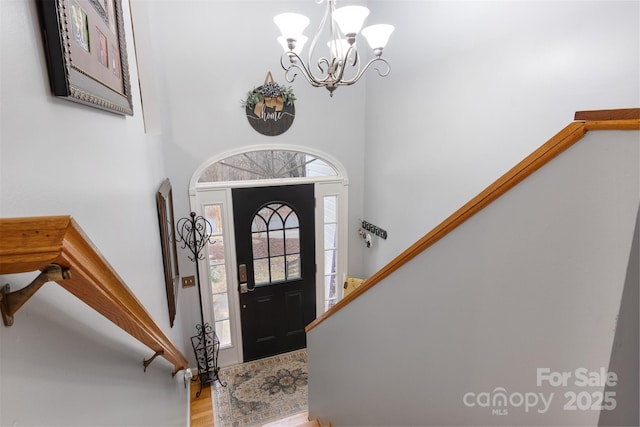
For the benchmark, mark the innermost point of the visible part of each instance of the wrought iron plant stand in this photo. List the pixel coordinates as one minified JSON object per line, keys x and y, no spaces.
{"x":194,"y":233}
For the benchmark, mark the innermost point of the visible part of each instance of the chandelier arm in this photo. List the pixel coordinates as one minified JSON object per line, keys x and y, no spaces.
{"x":312,"y":47}
{"x":364,"y":70}
{"x":356,"y":57}
{"x":296,"y":63}
{"x":325,"y":78}
{"x":335,"y":80}
{"x":381,"y":74}
{"x":339,"y":77}
{"x":287,"y":68}
{"x":323,"y":72}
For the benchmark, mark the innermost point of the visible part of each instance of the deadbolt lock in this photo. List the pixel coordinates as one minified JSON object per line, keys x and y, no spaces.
{"x":242,"y":273}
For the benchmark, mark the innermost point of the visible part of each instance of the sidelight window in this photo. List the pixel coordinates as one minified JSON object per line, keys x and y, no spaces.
{"x":218,"y":275}
{"x":330,"y":251}
{"x":275,"y":242}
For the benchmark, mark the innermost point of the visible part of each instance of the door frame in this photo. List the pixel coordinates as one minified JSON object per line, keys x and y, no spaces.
{"x":201,"y":194}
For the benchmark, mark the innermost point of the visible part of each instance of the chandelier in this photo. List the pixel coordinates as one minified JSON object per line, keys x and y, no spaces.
{"x":342,"y":65}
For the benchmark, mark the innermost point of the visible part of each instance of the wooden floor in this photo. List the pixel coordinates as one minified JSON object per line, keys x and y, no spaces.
{"x":201,"y":410}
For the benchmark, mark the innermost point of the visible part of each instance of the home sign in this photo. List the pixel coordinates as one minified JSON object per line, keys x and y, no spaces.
{"x":270,"y":108}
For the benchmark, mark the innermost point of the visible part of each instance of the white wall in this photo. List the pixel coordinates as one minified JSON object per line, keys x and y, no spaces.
{"x":61,"y":363}
{"x":223,"y":51}
{"x":205,"y":57}
{"x":476,"y":86}
{"x":534,"y":280}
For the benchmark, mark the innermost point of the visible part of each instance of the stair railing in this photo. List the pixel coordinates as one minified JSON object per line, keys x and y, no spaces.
{"x":621,"y":119}
{"x":58,"y":247}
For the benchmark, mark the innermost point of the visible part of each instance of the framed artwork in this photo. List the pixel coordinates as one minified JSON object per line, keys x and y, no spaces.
{"x":164,"y":200}
{"x":86,"y":53}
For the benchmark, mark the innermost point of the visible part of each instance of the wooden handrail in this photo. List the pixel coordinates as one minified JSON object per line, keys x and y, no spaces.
{"x":608,"y":115}
{"x":36,"y":243}
{"x":627,"y":119}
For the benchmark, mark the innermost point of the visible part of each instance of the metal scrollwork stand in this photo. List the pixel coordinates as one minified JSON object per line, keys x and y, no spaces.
{"x":194,"y":233}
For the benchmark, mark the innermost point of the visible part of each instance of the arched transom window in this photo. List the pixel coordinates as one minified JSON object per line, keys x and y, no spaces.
{"x":275,"y":241}
{"x":267,"y":164}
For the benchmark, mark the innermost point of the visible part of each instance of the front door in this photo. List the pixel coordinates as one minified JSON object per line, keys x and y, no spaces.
{"x":275,"y":252}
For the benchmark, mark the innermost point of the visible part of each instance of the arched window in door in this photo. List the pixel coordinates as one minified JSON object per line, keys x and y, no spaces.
{"x":275,"y":241}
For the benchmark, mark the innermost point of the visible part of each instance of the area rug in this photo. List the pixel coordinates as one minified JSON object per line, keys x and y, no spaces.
{"x":261,"y":391}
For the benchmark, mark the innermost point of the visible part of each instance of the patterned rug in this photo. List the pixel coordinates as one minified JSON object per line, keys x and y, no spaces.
{"x":261,"y":391}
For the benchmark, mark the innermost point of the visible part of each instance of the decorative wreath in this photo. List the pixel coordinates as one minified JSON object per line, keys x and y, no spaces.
{"x":271,"y":94}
